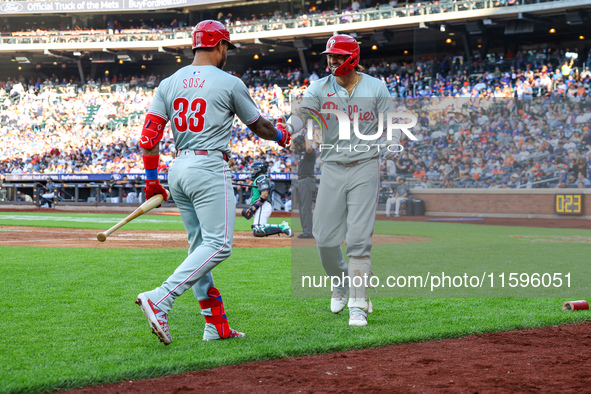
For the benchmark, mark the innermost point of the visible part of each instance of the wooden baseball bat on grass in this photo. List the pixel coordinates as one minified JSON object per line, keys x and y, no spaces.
{"x":146,"y":207}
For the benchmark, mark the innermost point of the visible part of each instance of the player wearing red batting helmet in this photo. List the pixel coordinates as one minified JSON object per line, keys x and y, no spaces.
{"x":344,"y":45}
{"x":207,"y":34}
{"x":349,"y":187}
{"x":200,"y":101}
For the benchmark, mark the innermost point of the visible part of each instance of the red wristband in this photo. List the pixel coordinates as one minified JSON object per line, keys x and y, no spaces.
{"x":151,"y":162}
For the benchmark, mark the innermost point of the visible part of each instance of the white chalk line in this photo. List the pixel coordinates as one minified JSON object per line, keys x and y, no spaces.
{"x":60,"y":218}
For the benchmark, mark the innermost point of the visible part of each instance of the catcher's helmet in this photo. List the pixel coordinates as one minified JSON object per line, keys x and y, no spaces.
{"x":342,"y":44}
{"x":258,"y":168}
{"x":208,"y":33}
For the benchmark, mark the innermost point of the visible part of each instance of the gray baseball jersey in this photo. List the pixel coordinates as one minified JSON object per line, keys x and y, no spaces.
{"x":370,"y":97}
{"x":200,"y":102}
{"x":349,"y":184}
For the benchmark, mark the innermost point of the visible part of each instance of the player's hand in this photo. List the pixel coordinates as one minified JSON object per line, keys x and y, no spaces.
{"x":391,"y":150}
{"x":282,"y":127}
{"x":153,"y":187}
{"x":247,"y":213}
{"x":394,"y":156}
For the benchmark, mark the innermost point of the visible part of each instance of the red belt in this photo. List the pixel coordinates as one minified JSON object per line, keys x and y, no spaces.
{"x":201,"y":152}
{"x":351,"y":164}
{"x":354,"y":163}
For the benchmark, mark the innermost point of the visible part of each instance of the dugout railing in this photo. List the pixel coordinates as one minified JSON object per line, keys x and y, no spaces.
{"x":97,"y":193}
{"x":65,"y":193}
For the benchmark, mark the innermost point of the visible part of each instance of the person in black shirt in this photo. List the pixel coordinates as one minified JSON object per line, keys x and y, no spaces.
{"x":306,"y":183}
{"x":129,"y":188}
{"x":404,"y":165}
{"x":113,"y":190}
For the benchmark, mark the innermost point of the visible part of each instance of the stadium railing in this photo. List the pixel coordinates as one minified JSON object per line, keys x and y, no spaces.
{"x":328,"y":18}
{"x":89,"y":36}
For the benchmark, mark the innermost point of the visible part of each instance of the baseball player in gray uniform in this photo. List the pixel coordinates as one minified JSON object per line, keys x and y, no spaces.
{"x":200,"y":101}
{"x":349,"y":185}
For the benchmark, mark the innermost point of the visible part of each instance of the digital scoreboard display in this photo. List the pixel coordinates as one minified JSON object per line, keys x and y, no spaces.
{"x":568,"y":204}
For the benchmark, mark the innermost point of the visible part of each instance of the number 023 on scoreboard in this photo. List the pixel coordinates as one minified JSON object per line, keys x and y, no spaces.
{"x":568,"y":204}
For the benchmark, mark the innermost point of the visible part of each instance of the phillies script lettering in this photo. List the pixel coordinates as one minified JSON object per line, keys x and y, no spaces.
{"x":392,"y":120}
{"x":366,"y":116}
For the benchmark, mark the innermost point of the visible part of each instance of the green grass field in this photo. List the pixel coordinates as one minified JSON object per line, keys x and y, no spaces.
{"x":72,"y":322}
{"x":477,"y":250}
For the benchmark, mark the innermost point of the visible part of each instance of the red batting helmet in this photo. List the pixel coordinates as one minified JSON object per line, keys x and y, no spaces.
{"x":342,"y":44}
{"x":208,"y":33}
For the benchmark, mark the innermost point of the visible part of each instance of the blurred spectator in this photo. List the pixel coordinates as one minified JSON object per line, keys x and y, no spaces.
{"x":86,"y":131}
{"x":561,"y":184}
{"x":398,"y":196}
{"x":23,"y":197}
{"x":48,"y":194}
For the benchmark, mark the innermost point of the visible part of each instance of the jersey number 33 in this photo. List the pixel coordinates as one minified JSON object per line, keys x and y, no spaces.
{"x":195,"y":119}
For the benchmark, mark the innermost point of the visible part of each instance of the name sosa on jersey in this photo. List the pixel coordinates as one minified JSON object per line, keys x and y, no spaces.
{"x":193,"y":83}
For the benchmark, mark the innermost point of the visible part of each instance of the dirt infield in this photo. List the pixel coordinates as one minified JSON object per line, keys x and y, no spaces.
{"x":552,"y":359}
{"x":151,"y":239}
{"x":82,"y":238}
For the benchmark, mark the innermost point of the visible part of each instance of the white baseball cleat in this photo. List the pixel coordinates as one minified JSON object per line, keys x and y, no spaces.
{"x":338,"y":301}
{"x":157,"y":318}
{"x":357,"y":317}
{"x":286,"y":229}
{"x":211,"y":334}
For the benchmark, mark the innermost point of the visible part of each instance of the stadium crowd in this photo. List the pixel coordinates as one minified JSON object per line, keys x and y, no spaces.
{"x":540,"y":138}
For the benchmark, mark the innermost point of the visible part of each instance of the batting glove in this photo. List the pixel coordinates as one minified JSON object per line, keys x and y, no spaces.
{"x":153,"y":187}
{"x":283,"y":133}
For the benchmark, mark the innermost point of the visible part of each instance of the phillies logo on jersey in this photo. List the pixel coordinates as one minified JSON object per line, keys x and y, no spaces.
{"x":354,"y":116}
{"x":353,"y":110}
{"x":366,"y":116}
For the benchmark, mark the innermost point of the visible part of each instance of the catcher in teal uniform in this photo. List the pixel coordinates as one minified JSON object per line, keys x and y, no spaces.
{"x":260,"y":207}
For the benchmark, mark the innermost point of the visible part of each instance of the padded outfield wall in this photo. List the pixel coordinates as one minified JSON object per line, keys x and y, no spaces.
{"x":518,"y":203}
